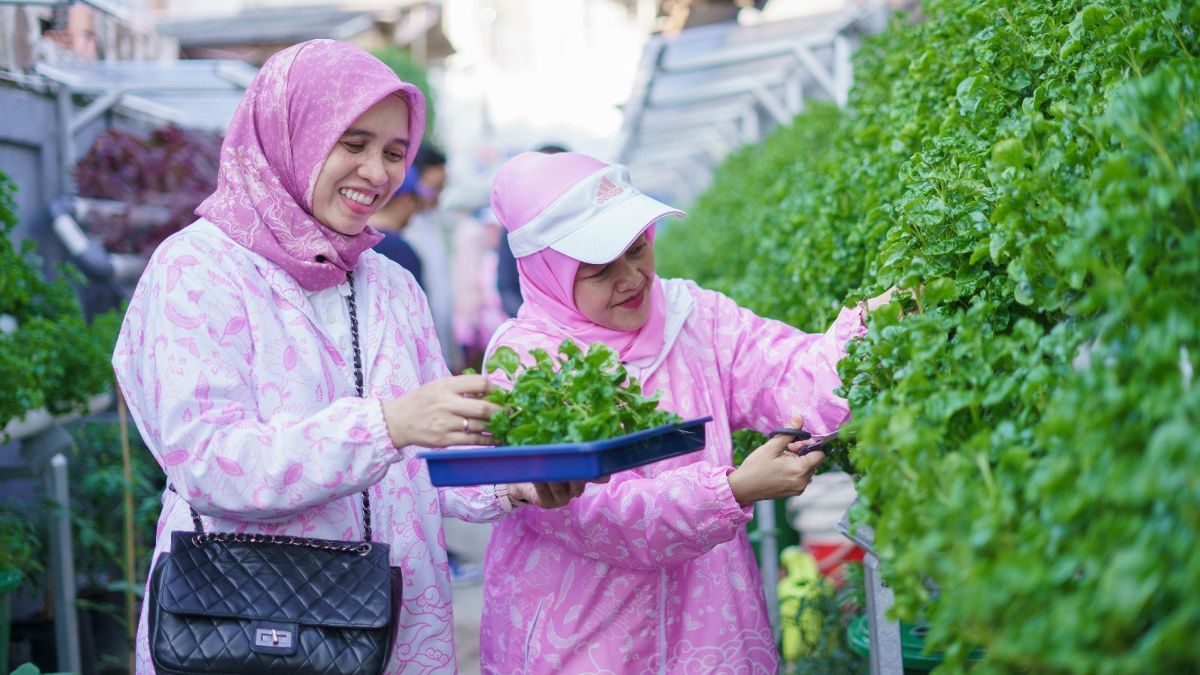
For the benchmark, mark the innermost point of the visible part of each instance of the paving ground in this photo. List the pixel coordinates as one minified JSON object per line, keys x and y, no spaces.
{"x":468,"y":540}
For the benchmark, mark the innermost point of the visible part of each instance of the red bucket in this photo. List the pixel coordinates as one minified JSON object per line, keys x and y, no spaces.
{"x":831,"y":557}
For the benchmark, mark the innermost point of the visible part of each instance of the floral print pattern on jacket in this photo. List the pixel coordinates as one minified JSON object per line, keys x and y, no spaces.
{"x":251,"y":410}
{"x":653,"y":571}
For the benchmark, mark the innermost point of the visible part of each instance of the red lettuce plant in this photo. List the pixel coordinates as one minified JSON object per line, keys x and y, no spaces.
{"x":160,"y":179}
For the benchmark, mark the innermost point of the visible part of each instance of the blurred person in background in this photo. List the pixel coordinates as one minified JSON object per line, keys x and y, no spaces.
{"x":477,"y":309}
{"x":431,"y":176}
{"x":391,"y":220}
{"x":428,"y":232}
{"x":431,"y":231}
{"x":507,"y":279}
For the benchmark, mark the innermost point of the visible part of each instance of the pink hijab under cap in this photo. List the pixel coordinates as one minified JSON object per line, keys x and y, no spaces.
{"x":524,"y":187}
{"x":300,"y":103}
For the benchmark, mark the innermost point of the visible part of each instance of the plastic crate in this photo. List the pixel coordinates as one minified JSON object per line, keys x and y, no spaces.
{"x":563,"y":461}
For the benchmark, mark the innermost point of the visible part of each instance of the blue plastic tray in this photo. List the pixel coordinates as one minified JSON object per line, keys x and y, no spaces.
{"x":563,"y":461}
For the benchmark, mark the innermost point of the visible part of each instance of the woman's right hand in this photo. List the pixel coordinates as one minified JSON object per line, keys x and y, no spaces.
{"x":774,"y":470}
{"x":551,"y":495}
{"x":449,"y":411}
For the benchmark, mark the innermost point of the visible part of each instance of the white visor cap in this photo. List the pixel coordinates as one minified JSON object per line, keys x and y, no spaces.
{"x":594,"y":221}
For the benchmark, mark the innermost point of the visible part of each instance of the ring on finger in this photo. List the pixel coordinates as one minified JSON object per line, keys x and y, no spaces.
{"x":466,"y":426}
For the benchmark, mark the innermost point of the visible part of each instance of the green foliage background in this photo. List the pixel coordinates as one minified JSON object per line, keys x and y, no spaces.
{"x":410,"y":71}
{"x":97,"y":495}
{"x":20,"y":545}
{"x":54,"y":358}
{"x":1027,"y":440}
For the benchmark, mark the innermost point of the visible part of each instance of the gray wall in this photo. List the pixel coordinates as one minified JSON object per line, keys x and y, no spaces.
{"x":29,"y":157}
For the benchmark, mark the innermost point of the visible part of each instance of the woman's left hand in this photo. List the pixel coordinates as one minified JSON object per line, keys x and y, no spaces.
{"x":445,"y":412}
{"x":550,"y":495}
{"x":881,"y":299}
{"x":885,"y":297}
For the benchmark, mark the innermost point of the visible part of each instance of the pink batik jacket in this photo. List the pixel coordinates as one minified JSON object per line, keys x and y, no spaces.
{"x":247,"y":403}
{"x":653,"y":572}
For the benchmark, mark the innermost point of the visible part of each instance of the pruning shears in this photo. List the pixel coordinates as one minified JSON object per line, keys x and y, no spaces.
{"x":802,"y":435}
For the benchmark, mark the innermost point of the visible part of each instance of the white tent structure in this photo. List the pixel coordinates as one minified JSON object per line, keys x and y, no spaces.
{"x":709,"y":90}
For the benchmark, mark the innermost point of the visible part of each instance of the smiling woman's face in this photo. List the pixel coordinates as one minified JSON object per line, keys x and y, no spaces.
{"x":616,"y":295}
{"x":364,"y":168}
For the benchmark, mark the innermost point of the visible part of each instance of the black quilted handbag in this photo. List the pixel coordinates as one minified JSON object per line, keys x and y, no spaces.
{"x":223,"y":602}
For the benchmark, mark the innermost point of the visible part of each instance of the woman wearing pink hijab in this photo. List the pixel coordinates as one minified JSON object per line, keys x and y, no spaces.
{"x":651,"y":572}
{"x":238,"y":352}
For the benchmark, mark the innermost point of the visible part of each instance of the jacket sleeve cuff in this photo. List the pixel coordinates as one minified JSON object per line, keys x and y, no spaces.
{"x":378,"y":439}
{"x":474,"y":503}
{"x":850,"y":323}
{"x":731,"y":510}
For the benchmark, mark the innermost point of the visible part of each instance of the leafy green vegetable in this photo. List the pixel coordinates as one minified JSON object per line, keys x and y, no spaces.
{"x":50,"y":356}
{"x":578,"y":396}
{"x":1027,"y":441}
{"x":98,"y":527}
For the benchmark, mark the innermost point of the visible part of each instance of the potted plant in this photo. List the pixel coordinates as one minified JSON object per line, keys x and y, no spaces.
{"x":135,"y":190}
{"x":20,"y":558}
{"x":50,"y":357}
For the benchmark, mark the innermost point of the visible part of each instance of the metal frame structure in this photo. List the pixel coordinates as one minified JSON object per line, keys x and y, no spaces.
{"x":44,"y":446}
{"x":113,"y":8}
{"x":708,"y":91}
{"x":883,"y":634}
{"x":195,"y":94}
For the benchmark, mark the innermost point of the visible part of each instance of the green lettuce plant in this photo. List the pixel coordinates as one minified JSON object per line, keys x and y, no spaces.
{"x":49,"y":355}
{"x":1026,"y":439}
{"x":578,"y":396}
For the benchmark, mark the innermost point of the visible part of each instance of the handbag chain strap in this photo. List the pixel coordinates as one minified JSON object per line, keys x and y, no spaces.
{"x":362,"y":548}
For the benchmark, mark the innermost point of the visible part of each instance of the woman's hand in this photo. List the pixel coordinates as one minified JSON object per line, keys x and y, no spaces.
{"x":885,"y":297}
{"x":881,"y":299}
{"x":548,"y":495}
{"x":774,"y":470}
{"x":449,"y":411}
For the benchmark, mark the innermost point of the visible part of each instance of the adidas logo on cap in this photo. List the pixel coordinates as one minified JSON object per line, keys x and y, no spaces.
{"x":607,"y":190}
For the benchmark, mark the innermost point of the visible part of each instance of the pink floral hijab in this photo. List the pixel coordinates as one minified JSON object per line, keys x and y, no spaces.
{"x":300,"y":103}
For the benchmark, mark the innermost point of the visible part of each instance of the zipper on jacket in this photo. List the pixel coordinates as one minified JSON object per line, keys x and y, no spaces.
{"x":537,"y":614}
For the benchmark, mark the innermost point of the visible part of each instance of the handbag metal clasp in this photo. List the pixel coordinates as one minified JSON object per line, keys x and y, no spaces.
{"x":275,"y":637}
{"x":272,"y":637}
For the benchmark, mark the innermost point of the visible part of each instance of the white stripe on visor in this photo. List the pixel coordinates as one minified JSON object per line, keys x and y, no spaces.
{"x":575,"y":208}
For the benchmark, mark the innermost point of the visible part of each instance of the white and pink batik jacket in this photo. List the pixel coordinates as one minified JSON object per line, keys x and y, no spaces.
{"x":653,"y":572}
{"x":246,"y":398}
